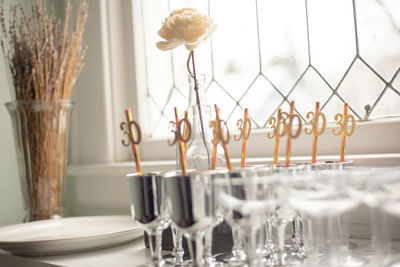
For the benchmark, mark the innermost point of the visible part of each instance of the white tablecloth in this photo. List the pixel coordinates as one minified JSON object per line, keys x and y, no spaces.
{"x":134,"y":254}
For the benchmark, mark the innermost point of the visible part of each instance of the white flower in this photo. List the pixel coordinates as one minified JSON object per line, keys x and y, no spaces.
{"x":187,"y":27}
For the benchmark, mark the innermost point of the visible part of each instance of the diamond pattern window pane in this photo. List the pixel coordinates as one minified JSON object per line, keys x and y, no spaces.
{"x":283,"y":41}
{"x":262,"y":99}
{"x":359,"y":97}
{"x":310,"y":89}
{"x":265,"y":53}
{"x":332,"y":37}
{"x":237,"y":37}
{"x":379,"y":34}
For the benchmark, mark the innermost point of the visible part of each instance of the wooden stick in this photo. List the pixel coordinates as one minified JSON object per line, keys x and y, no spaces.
{"x":227,"y":157}
{"x":277,"y":139}
{"x":215,"y":148}
{"x":180,"y":143}
{"x":315,"y":136}
{"x":128,"y":114}
{"x":244,"y":139}
{"x":289,"y":137}
{"x":343,"y":144}
{"x":224,"y":141}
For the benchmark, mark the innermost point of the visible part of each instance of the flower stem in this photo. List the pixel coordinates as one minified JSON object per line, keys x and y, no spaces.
{"x":196,"y":89}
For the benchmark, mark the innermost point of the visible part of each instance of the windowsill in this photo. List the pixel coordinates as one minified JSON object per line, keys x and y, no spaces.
{"x":122,"y":168}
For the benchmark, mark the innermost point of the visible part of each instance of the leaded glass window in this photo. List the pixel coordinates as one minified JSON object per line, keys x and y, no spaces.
{"x":266,"y":53}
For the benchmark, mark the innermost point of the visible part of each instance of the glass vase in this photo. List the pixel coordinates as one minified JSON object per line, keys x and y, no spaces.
{"x":41,"y":131}
{"x":200,"y":146}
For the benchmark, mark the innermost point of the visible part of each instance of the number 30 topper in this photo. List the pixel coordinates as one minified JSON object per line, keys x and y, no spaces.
{"x":220,"y":136}
{"x":277,"y":124}
{"x":288,"y":129}
{"x":181,"y":138}
{"x":244,"y":127}
{"x":245,"y":131}
{"x":343,"y":121}
{"x":181,"y":135}
{"x":128,"y":129}
{"x":314,"y":121}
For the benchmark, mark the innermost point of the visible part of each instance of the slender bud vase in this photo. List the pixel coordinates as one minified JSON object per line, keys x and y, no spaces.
{"x":199,"y":152}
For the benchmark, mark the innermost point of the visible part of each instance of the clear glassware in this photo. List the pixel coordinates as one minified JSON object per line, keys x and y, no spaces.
{"x":336,"y":165}
{"x":345,"y":243}
{"x":41,"y":130}
{"x":388,"y":193}
{"x":246,"y":203}
{"x":289,"y":252}
{"x":322,"y":196}
{"x":266,"y":171}
{"x":176,"y":258}
{"x":190,"y":202}
{"x":217,"y":219}
{"x":237,"y":256}
{"x":201,"y":81}
{"x":364,"y":184}
{"x":149,"y":209}
{"x":200,"y":149}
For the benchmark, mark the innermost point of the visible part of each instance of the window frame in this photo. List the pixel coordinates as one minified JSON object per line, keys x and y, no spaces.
{"x":121,"y":86}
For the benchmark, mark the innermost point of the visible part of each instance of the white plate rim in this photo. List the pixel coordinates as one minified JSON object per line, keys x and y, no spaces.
{"x":102,"y":235}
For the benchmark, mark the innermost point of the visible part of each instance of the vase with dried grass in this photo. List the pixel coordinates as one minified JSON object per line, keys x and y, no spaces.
{"x":44,"y":59}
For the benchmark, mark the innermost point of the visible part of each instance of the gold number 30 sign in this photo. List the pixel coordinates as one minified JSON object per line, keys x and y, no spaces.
{"x":343,"y":122}
{"x":185,"y":137}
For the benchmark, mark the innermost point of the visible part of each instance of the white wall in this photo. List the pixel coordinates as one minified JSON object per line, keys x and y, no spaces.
{"x":11,"y":205}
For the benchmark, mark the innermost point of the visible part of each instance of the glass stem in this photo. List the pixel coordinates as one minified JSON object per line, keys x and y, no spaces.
{"x":196,"y":249}
{"x":237,"y":242}
{"x":155,"y":248}
{"x":337,"y":240}
{"x":380,"y":235}
{"x":268,"y":245}
{"x":208,"y":245}
{"x":281,"y":241}
{"x":250,"y":238}
{"x":298,"y":233}
{"x":178,"y":251}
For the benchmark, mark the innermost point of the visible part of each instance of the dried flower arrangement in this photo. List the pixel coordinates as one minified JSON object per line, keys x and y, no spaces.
{"x":45,"y":58}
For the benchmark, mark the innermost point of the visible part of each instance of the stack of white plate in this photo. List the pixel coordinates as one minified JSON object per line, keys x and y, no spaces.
{"x":68,"y":235}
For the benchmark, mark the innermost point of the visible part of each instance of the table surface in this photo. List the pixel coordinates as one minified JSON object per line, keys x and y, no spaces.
{"x":130,"y":254}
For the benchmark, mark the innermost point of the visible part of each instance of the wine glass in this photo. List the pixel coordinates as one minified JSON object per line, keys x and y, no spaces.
{"x":149,"y":209}
{"x":217,"y":216}
{"x":323,"y":196}
{"x":237,"y":255}
{"x":388,"y":193}
{"x":291,"y":252}
{"x":287,"y":253}
{"x":246,"y":203}
{"x":269,"y":244}
{"x":190,"y":203}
